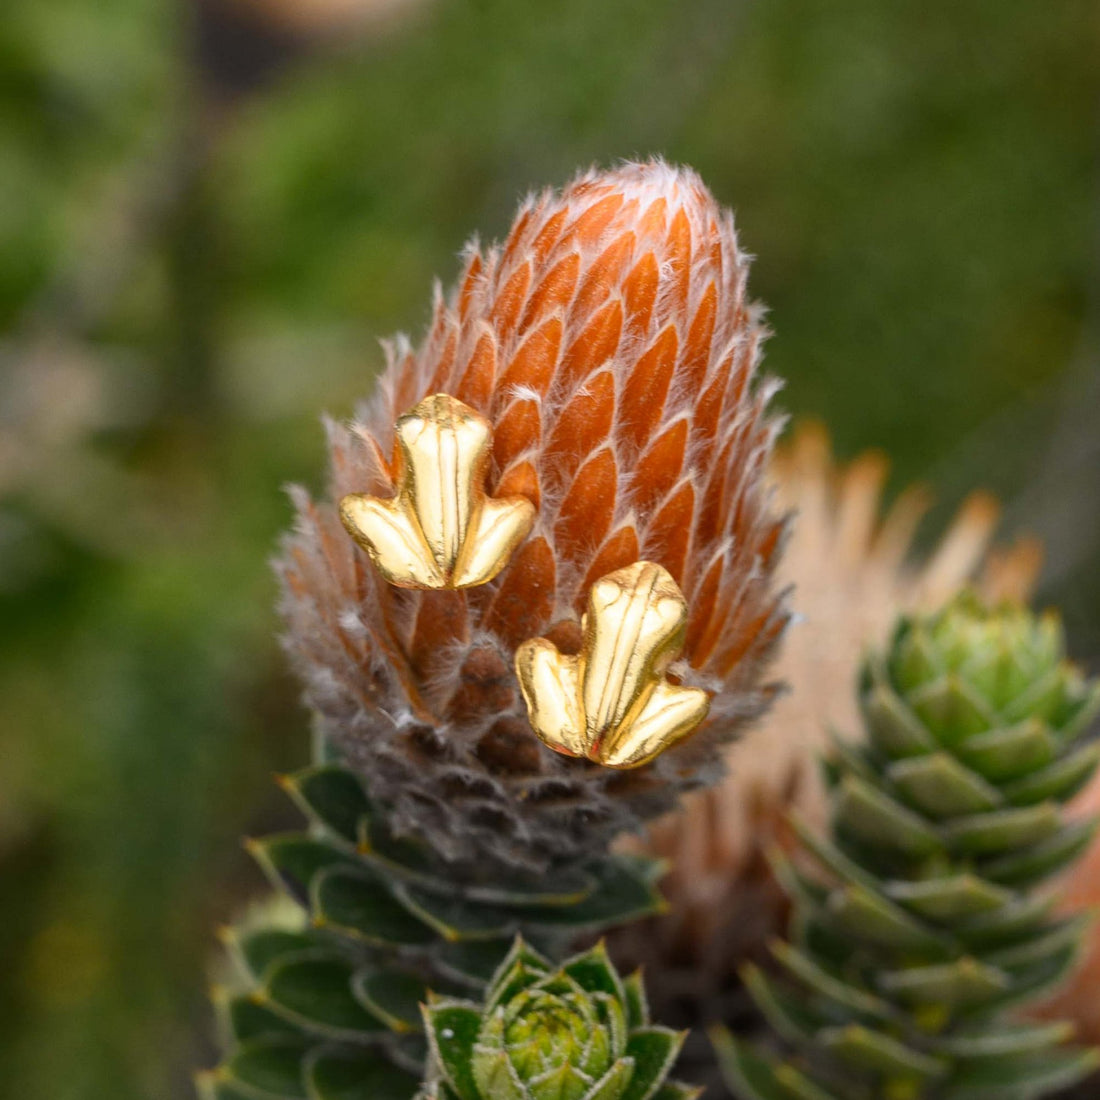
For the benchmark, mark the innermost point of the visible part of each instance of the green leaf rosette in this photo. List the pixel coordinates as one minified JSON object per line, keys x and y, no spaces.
{"x":574,"y":1032}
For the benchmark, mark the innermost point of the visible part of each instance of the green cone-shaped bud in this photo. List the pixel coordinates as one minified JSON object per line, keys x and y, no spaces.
{"x":575,"y":1032}
{"x":925,"y":929}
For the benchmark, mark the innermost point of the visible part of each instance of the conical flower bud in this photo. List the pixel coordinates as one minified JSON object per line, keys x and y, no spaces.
{"x":609,"y":344}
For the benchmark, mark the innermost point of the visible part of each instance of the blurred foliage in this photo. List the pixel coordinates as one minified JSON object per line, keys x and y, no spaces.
{"x":189,"y":274}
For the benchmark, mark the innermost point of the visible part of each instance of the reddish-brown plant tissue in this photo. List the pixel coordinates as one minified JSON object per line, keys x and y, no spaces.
{"x":1079,"y":892}
{"x":610,"y":343}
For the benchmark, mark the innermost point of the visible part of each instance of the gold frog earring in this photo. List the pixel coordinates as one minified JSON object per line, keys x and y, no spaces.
{"x":612,"y":703}
{"x":441,"y":530}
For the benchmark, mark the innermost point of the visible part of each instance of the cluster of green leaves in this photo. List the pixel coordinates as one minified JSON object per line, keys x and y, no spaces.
{"x":929,"y":926}
{"x":334,"y":998}
{"x":574,"y":1032}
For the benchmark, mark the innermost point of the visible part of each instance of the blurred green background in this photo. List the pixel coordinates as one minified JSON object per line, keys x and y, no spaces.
{"x":209,"y":215}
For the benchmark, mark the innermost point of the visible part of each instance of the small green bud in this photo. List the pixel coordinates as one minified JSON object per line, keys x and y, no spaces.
{"x":571,"y":1033}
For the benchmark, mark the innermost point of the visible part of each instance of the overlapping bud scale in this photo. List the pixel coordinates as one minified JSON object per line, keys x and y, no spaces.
{"x":610,"y":344}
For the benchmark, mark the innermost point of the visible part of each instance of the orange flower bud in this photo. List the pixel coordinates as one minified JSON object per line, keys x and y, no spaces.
{"x":610,"y":345}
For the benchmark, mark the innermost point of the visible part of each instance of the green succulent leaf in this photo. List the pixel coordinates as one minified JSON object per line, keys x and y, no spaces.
{"x":674,"y":1090}
{"x":637,"y":1007}
{"x":1029,"y":983}
{"x":1003,"y":1039}
{"x":522,"y":968}
{"x":952,"y":710}
{"x":1051,"y":941}
{"x":391,"y":995}
{"x":563,"y":1082}
{"x":870,"y":918}
{"x":867,"y":1049}
{"x":1083,"y":712}
{"x":357,"y":1076}
{"x":948,"y":899}
{"x":1060,"y":780}
{"x":215,"y":1086}
{"x":1020,"y":917}
{"x":454,"y":918}
{"x":332,"y":796}
{"x":562,"y":888}
{"x":291,"y":860}
{"x":653,"y":1050}
{"x":1010,"y":752}
{"x":1046,"y":699}
{"x":260,"y":948}
{"x":1021,"y":1077}
{"x":495,"y":1076}
{"x":940,"y":787}
{"x":452,"y":1028}
{"x":269,"y":1068}
{"x":1002,"y":830}
{"x":472,"y":962}
{"x":1032,"y":863}
{"x":753,"y":1077}
{"x":962,"y":983}
{"x":614,"y":1083}
{"x":360,"y":905}
{"x":594,"y":973}
{"x":893,"y":728}
{"x":801,"y":966}
{"x":624,"y":891}
{"x":879,"y":821}
{"x":832,"y":858}
{"x":401,"y":859}
{"x":315,"y":991}
{"x":244,"y":1020}
{"x":788,"y":1014}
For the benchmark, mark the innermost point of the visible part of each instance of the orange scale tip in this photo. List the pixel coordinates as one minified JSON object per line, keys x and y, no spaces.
{"x":524,"y":602}
{"x":596,"y":344}
{"x":603,"y":276}
{"x":617,"y":552}
{"x":661,"y":466}
{"x":521,"y":480}
{"x":639,"y":290}
{"x":642,"y":405}
{"x":586,"y":512}
{"x":700,"y":336}
{"x":473,"y":274}
{"x":518,"y":431}
{"x":505,"y":314}
{"x":549,"y":235}
{"x":583,"y":424}
{"x":532,"y":367}
{"x":653,"y":221}
{"x":679,"y":257}
{"x":668,"y":534}
{"x":587,"y":227}
{"x":554,"y":291}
